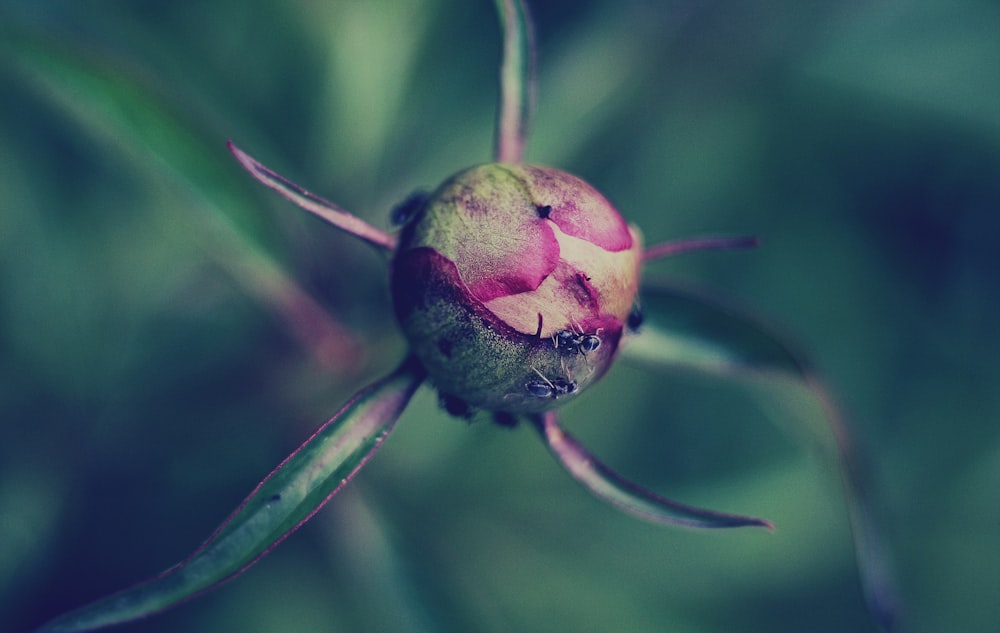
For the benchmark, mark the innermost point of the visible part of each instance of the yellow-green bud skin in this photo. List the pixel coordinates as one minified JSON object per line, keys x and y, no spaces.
{"x":512,"y":285}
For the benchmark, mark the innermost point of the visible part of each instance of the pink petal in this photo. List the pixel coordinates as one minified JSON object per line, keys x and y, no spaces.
{"x":577,"y":208}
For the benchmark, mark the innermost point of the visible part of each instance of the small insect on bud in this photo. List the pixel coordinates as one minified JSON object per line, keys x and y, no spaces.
{"x":565,"y":339}
{"x":635,"y":318}
{"x":540,"y":389}
{"x":573,"y":342}
{"x":408,"y":209}
{"x":513,"y":285}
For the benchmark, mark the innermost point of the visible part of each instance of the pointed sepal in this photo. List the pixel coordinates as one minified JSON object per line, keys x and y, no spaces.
{"x":286,"y":499}
{"x":312,"y":203}
{"x":609,"y":486}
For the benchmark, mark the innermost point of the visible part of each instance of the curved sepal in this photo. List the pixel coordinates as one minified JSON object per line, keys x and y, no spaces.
{"x":517,"y":81}
{"x":286,"y":499}
{"x":608,"y":485}
{"x":312,"y":203}
{"x":679,"y":247}
{"x":684,"y":329}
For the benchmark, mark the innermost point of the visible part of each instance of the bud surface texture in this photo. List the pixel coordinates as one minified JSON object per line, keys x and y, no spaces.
{"x":512,"y":285}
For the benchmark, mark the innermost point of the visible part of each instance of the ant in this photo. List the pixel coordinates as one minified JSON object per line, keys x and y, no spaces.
{"x":579,"y":342}
{"x":546,"y":388}
{"x":408,"y":210}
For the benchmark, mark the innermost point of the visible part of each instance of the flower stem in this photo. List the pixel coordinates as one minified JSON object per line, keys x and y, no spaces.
{"x":517,"y":81}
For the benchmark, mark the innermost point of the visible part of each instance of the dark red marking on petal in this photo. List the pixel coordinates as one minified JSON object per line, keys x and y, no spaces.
{"x":584,"y":282}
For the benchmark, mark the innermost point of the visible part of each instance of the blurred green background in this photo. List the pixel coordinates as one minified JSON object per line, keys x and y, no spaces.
{"x":156,"y":361}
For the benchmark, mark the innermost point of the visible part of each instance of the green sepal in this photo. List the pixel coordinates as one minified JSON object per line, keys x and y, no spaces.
{"x":286,"y":499}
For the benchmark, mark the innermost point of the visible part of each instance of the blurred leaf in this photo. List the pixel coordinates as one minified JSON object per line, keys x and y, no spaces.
{"x":131,"y":118}
{"x":371,"y":55}
{"x":682,"y":328}
{"x":286,"y":499}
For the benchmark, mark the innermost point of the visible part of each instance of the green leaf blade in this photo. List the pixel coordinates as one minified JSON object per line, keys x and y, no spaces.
{"x":127,"y":115}
{"x":286,"y":499}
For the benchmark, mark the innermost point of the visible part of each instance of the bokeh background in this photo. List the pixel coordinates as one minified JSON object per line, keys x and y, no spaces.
{"x":158,"y":355}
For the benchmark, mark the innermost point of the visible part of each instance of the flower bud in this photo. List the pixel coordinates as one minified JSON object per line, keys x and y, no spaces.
{"x":512,"y":284}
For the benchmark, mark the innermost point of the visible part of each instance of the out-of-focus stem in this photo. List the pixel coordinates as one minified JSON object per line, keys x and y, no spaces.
{"x":517,"y":81}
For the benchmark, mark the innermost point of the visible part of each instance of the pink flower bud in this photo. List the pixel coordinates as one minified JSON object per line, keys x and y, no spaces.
{"x":512,"y":285}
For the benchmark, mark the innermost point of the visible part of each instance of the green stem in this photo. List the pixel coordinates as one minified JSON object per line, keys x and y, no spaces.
{"x":517,"y":81}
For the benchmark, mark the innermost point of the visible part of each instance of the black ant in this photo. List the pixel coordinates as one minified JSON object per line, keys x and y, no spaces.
{"x":546,"y":388}
{"x":408,"y":210}
{"x":578,"y":342}
{"x":635,"y":318}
